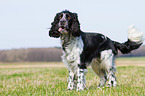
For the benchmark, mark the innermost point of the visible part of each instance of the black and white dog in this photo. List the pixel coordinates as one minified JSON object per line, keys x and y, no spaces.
{"x":81,"y":49}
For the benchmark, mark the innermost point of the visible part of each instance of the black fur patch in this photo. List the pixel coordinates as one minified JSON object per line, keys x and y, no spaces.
{"x":94,"y":44}
{"x":127,"y":47}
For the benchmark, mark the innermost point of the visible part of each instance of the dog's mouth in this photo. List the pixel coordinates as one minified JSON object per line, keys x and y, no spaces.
{"x":62,"y":27}
{"x":62,"y":30}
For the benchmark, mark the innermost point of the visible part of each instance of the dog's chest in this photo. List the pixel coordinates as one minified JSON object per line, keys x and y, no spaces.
{"x":71,"y":55}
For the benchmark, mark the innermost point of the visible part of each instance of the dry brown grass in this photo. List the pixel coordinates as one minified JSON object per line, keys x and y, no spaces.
{"x":32,"y":65}
{"x":61,"y":64}
{"x":130,"y":63}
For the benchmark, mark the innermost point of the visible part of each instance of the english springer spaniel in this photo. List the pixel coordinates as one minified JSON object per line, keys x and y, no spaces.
{"x":81,"y":49}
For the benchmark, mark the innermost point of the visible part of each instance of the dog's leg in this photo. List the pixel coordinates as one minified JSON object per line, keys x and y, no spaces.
{"x":81,"y":79}
{"x":107,"y":63}
{"x":71,"y":84}
{"x":96,"y":66}
{"x":112,"y":77}
{"x":103,"y":78}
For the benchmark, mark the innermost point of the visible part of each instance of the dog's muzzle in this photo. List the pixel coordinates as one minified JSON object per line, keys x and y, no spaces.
{"x":63,"y":30}
{"x":63,"y":27}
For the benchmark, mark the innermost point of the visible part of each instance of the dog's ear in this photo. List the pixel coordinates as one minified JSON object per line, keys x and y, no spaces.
{"x":54,"y":27}
{"x":75,"y":27}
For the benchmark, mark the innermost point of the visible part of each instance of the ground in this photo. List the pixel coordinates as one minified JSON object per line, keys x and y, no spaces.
{"x":43,"y":78}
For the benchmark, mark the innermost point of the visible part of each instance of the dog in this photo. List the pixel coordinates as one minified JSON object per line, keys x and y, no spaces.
{"x":81,"y":49}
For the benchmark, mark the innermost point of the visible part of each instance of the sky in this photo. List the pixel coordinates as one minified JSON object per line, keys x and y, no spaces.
{"x":24,"y":23}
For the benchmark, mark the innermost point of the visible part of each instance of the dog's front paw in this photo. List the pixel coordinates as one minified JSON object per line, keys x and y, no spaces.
{"x":81,"y":80}
{"x":81,"y":86}
{"x":71,"y":86}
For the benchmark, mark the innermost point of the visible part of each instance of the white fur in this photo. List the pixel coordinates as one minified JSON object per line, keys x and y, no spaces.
{"x":71,"y":83}
{"x":135,"y":35}
{"x":105,"y":62}
{"x":71,"y":55}
{"x":106,"y":58}
{"x":81,"y":79}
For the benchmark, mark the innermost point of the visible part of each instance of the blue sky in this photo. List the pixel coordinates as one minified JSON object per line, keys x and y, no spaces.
{"x":23,"y":23}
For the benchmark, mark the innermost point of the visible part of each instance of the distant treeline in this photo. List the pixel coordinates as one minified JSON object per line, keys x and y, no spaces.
{"x":31,"y":55}
{"x":47,"y":54}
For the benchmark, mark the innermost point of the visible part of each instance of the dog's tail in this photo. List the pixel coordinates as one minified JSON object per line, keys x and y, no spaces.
{"x":135,"y":40}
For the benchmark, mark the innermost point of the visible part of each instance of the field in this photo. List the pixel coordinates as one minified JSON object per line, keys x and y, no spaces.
{"x":46,"y":79}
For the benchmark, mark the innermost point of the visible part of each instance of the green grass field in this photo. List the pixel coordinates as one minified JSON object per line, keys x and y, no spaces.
{"x":51,"y":80}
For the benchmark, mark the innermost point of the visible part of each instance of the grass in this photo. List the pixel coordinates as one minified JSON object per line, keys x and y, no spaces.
{"x":52,"y":81}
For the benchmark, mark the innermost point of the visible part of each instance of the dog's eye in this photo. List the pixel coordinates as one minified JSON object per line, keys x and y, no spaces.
{"x":68,"y":17}
{"x":60,"y":17}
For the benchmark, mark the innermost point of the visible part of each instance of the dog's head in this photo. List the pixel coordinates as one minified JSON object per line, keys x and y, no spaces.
{"x":65,"y":22}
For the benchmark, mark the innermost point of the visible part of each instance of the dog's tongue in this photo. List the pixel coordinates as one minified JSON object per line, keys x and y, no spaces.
{"x":60,"y":29}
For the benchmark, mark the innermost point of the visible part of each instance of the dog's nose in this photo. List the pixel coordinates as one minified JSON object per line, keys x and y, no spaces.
{"x":62,"y":22}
